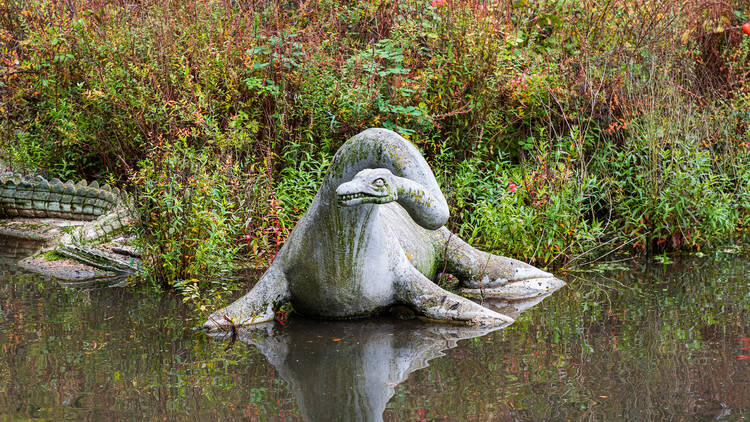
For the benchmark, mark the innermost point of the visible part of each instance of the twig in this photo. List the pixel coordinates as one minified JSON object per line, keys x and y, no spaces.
{"x":610,"y":252}
{"x":445,"y":259}
{"x":591,"y":249}
{"x":233,"y":328}
{"x":18,"y":71}
{"x":466,"y":108}
{"x":539,"y":242}
{"x":482,"y":274}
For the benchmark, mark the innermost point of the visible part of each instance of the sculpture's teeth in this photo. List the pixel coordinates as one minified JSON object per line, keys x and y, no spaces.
{"x":350,"y":196}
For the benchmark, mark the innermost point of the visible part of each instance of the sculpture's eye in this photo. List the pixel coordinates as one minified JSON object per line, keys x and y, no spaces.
{"x":379,"y":182}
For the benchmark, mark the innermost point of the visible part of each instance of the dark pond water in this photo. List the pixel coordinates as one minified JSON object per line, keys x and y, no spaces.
{"x":642,"y":343}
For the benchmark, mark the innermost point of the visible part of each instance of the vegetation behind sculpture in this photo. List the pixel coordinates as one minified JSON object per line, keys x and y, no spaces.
{"x":553,"y":129}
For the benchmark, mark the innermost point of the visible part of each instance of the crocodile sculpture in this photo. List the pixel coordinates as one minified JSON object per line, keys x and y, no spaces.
{"x":99,"y":209}
{"x":374,"y":237}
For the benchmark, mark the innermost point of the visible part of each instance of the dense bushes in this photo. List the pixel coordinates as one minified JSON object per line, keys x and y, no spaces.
{"x":559,"y":130}
{"x":191,"y":209}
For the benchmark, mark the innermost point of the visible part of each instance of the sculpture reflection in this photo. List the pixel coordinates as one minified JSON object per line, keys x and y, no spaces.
{"x":347,"y":370}
{"x":12,"y":249}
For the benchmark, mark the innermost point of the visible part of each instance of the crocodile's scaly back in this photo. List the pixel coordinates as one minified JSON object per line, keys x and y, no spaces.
{"x":38,"y":198}
{"x":102,"y":209}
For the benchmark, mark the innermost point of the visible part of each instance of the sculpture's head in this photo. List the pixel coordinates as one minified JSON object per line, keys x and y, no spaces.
{"x":369,"y":186}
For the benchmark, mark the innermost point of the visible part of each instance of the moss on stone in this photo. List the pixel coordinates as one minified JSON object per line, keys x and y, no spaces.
{"x":52,"y":256}
{"x":68,"y":229}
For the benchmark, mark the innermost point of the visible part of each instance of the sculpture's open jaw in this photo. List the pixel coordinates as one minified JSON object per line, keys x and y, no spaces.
{"x":349,"y":199}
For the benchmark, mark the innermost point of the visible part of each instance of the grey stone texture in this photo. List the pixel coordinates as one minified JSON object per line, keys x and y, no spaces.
{"x":101,"y":208}
{"x":38,"y":198}
{"x":373,"y":237}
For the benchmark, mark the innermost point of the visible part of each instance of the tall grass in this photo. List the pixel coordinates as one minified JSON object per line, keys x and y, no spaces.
{"x":559,"y":130}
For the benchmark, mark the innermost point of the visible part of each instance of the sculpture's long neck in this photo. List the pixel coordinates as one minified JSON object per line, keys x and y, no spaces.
{"x":423,"y":206}
{"x":418,"y":190}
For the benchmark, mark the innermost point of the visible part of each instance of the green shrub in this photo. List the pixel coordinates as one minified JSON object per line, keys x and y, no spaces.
{"x":299,"y":184}
{"x":192,"y":218}
{"x":542,"y":215}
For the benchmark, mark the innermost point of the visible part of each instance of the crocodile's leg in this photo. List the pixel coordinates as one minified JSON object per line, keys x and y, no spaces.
{"x":413,"y":288}
{"x":256,"y":306}
{"x":483,"y":274}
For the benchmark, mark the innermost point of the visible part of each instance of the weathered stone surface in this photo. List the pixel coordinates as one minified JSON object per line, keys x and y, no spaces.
{"x":40,"y":197}
{"x":76,"y":202}
{"x":35,"y":197}
{"x":65,"y":205}
{"x":374,"y":237}
{"x":53,"y":207}
{"x":25,"y":191}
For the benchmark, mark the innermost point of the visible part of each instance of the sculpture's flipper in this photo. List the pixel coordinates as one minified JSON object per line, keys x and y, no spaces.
{"x":517,"y":290}
{"x":256,"y":306}
{"x":414,"y":289}
{"x":483,"y":274}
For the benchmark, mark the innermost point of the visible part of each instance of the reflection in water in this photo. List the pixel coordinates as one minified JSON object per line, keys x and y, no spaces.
{"x":347,"y":370}
{"x":104,"y":282}
{"x":12,"y":250}
{"x":646,"y":342}
{"x":513,"y":308}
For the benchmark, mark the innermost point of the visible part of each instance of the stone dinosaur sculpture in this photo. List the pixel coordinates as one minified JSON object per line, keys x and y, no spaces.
{"x":374,"y":237}
{"x":99,"y":208}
